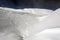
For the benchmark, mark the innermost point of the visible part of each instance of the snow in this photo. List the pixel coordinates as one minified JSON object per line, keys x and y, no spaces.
{"x":48,"y":34}
{"x":29,"y":24}
{"x":49,"y":28}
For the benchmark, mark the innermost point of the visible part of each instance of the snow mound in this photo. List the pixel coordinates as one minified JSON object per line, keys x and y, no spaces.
{"x":25,"y":23}
{"x":49,"y":28}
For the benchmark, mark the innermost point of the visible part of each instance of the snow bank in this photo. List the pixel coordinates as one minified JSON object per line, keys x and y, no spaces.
{"x":36,"y":11}
{"x":49,"y":28}
{"x":21,"y":22}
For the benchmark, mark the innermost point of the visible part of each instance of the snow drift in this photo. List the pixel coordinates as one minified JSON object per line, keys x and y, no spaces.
{"x":22,"y":24}
{"x":49,"y":28}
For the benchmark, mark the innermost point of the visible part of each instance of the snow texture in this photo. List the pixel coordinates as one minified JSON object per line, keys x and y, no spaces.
{"x":48,"y":34}
{"x":29,"y":24}
{"x":49,"y":28}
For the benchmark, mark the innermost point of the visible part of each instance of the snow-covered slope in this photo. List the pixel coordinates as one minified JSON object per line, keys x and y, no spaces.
{"x":47,"y":34}
{"x":25,"y":23}
{"x":49,"y":28}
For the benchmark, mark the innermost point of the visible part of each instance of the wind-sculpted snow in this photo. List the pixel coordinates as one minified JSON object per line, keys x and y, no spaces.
{"x":26,"y":24}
